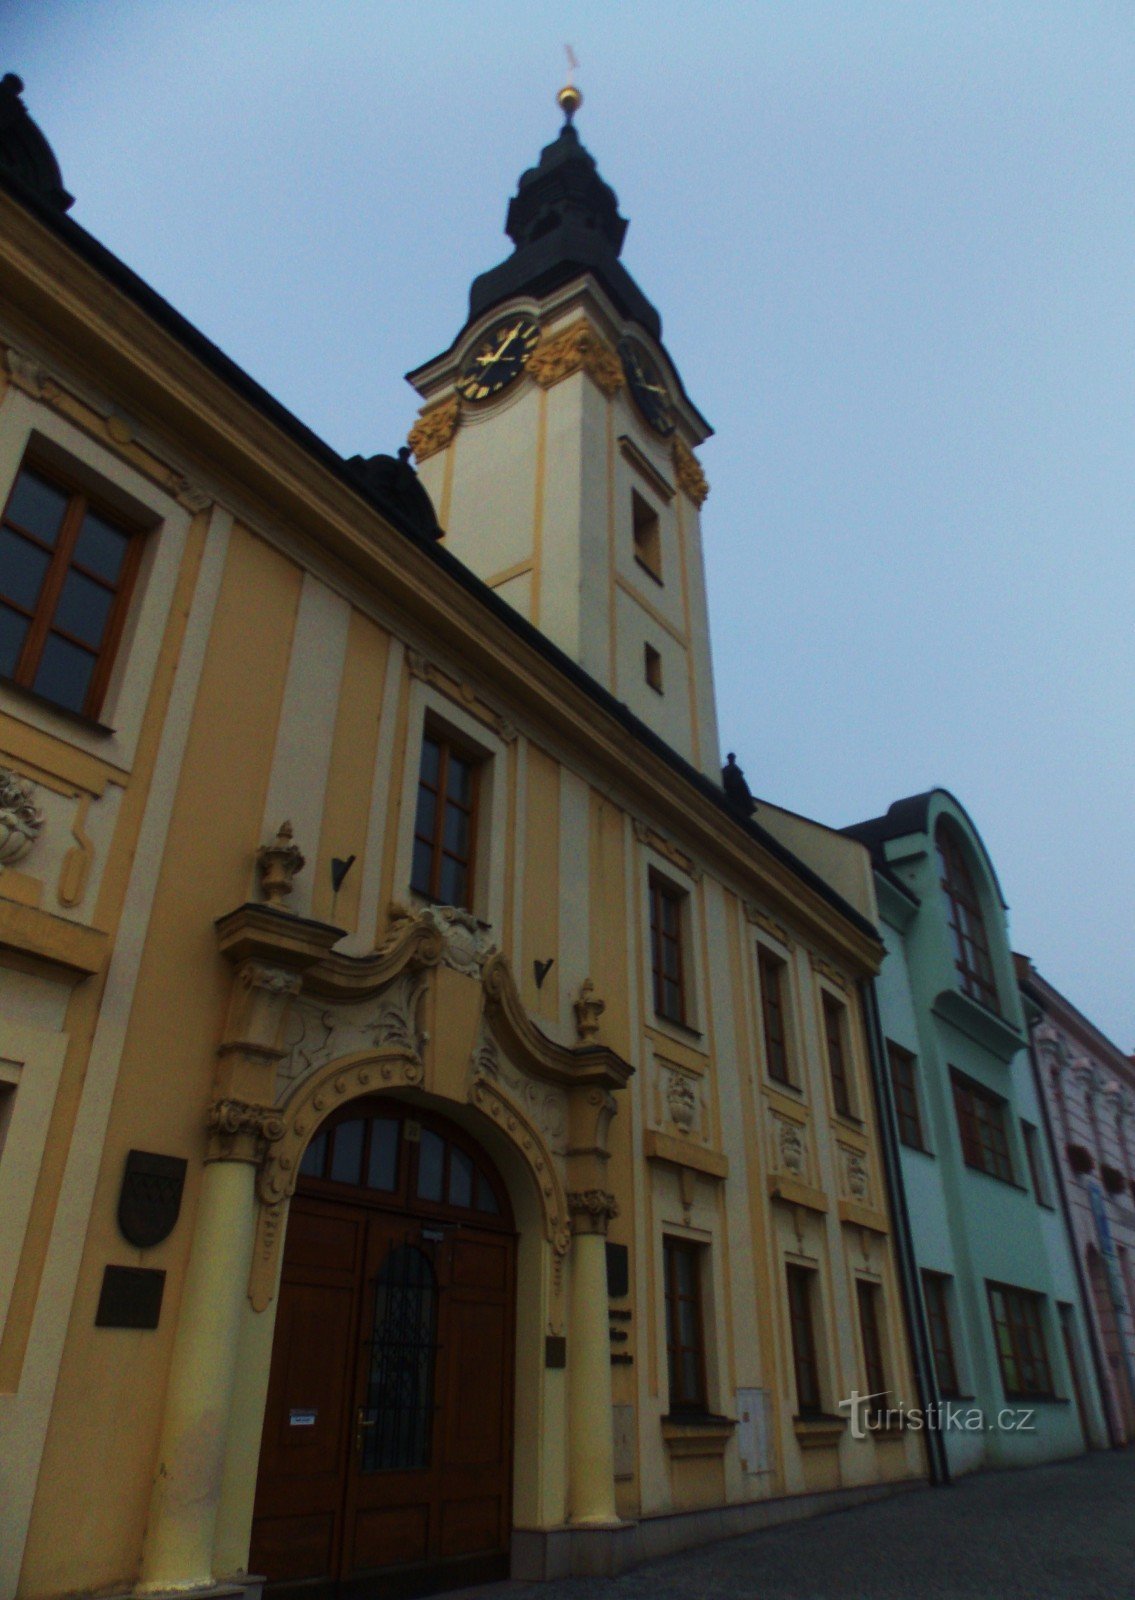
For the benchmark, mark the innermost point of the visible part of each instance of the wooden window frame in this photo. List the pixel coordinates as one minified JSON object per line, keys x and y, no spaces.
{"x":676,"y":1349}
{"x":1019,"y":1338}
{"x":646,"y":533}
{"x":772,"y":972}
{"x":973,"y":957}
{"x":867,"y":1300}
{"x":935,"y":1295}
{"x":836,"y":1043}
{"x":663,"y":892}
{"x":983,"y":1129}
{"x":904,"y":1086}
{"x":61,"y":562}
{"x":800,"y":1283}
{"x":448,"y":747}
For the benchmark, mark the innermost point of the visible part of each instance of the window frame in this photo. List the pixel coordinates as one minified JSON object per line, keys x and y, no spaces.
{"x":774,"y":967}
{"x":868,"y":1298}
{"x":81,"y":500}
{"x":969,"y":1095}
{"x":673,"y":1248}
{"x":448,"y":747}
{"x":935,"y":1299}
{"x":969,"y":935}
{"x":1029,"y":1323}
{"x":836,"y":1031}
{"x":646,"y":535}
{"x":801,"y":1303}
{"x":1030,"y":1138}
{"x":660,"y":890}
{"x":908,"y":1108}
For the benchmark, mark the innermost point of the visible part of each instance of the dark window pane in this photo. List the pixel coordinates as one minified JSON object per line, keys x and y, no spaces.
{"x":420,"y":875}
{"x":486,"y":1199}
{"x":431,"y":760}
{"x":454,"y":876}
{"x":460,"y":1178}
{"x":64,"y":673}
{"x":687,"y":1322}
{"x":684,"y":1271}
{"x":460,"y":784}
{"x":347,"y":1152}
{"x":431,"y":1162}
{"x":312,"y":1164}
{"x":382,"y":1165}
{"x":23,"y":567}
{"x":83,"y":609}
{"x":37,"y":506}
{"x":101,"y":547}
{"x":13,"y":628}
{"x":691,"y":1373}
{"x":457,"y":831}
{"x":427,"y":812}
{"x":399,"y":1406}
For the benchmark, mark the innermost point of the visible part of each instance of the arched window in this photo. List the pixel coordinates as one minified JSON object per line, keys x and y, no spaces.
{"x":967,"y":924}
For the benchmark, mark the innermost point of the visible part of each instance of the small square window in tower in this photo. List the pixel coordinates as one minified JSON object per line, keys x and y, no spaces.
{"x":647,"y":535}
{"x":445,"y":824}
{"x":653,"y":665}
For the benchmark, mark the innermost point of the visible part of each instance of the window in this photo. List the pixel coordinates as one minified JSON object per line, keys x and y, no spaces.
{"x":967,"y":924}
{"x":867,"y":1295}
{"x":647,"y":535}
{"x":981,"y":1123}
{"x":684,"y":1348}
{"x":834,"y":1015}
{"x":906,"y":1096}
{"x":1019,"y":1333}
{"x":808,"y":1400}
{"x":445,"y":823}
{"x":66,"y":571}
{"x":667,"y":907}
{"x":652,"y":666}
{"x":1036,"y":1164}
{"x":772,"y":974}
{"x":934,"y":1291}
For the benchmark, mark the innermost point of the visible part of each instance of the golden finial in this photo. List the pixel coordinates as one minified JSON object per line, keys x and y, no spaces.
{"x":569,"y":98}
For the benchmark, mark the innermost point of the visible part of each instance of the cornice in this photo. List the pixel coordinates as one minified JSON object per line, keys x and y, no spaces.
{"x":242,"y":438}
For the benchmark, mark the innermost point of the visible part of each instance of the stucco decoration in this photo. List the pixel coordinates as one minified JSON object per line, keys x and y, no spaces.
{"x":857,"y":1179}
{"x":316,"y":1034}
{"x":688,"y":471}
{"x":578,"y":348}
{"x":278,"y":863}
{"x":790,"y":1146}
{"x":434,"y":429}
{"x":682,"y":1101}
{"x":21,"y":820}
{"x":588,"y":1009}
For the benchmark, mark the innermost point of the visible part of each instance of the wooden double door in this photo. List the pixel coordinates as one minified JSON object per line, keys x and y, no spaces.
{"x":385,"y":1462}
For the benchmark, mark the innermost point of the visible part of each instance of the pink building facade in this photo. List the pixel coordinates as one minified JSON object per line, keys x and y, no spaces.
{"x":1087,"y":1087}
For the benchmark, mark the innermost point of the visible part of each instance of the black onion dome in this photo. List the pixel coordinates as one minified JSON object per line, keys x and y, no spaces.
{"x":564,"y":221}
{"x":24,"y":152}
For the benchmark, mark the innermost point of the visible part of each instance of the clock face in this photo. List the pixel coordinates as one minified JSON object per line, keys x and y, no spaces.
{"x":646,"y":384}
{"x":499,"y":357}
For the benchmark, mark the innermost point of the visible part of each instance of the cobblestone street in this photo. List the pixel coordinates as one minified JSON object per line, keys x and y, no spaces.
{"x":1064,"y":1532}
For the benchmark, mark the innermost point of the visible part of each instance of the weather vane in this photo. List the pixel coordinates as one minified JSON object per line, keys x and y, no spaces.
{"x":569,"y":98}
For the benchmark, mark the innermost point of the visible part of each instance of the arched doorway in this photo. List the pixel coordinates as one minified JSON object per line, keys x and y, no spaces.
{"x":387,"y":1443}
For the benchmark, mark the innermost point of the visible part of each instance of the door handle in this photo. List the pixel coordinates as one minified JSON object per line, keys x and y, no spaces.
{"x":362,"y":1422}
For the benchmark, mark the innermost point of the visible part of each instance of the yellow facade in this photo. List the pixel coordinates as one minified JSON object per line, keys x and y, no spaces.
{"x":287,"y":646}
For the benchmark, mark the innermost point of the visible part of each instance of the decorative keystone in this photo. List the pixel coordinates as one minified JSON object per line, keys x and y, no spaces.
{"x":278,"y":864}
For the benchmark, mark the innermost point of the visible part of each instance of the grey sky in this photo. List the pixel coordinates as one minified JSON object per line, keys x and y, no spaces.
{"x":892,"y":249}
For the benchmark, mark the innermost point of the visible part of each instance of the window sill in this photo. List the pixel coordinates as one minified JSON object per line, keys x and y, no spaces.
{"x":695,"y":1433}
{"x":977,"y":1022}
{"x":819,"y":1432}
{"x":1006,"y":1183}
{"x":680,"y":1030}
{"x":919,"y":1149}
{"x":649,"y":570}
{"x":853,"y":1124}
{"x":75,"y":718}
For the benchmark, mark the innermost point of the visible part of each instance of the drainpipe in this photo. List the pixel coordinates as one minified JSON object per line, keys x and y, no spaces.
{"x":1087,"y":1303}
{"x":914,"y":1313}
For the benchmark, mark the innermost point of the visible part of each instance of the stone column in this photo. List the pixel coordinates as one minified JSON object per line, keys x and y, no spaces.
{"x":178,"y":1552}
{"x":591,"y":1449}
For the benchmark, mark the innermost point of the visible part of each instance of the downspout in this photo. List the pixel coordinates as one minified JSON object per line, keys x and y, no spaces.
{"x":914,"y":1314}
{"x":1086,"y":1302}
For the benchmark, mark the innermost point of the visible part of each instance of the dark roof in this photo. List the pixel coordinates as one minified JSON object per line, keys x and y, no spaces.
{"x":24,"y":152}
{"x":564,"y":221}
{"x":912,"y":815}
{"x":179,"y":328}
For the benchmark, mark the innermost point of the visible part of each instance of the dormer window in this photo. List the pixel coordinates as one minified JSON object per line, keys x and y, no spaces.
{"x":967,"y":924}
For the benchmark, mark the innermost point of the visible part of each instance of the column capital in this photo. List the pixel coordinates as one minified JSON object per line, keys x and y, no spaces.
{"x":591,"y":1210}
{"x":241,"y":1130}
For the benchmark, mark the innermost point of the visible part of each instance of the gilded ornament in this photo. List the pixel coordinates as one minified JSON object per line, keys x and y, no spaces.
{"x":687,"y":469}
{"x":434,"y":428}
{"x":577,"y":348}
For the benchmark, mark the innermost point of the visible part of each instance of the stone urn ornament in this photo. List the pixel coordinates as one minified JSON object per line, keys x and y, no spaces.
{"x":278,"y":864}
{"x":21,"y":820}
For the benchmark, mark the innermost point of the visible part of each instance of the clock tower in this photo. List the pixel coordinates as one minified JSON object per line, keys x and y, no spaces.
{"x":557,"y":443}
